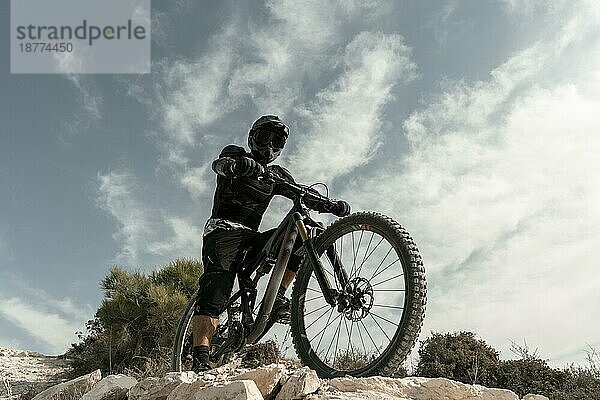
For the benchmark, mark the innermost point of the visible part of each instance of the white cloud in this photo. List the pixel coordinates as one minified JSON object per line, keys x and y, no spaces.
{"x":117,"y":196}
{"x":198,"y":180}
{"x":49,"y":327}
{"x":49,"y":321}
{"x":247,"y":63}
{"x":347,"y":115}
{"x":142,"y":229}
{"x":186,"y":237}
{"x":500,"y":191}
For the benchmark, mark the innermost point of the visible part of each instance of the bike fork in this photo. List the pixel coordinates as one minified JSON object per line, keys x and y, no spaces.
{"x":329,"y":293}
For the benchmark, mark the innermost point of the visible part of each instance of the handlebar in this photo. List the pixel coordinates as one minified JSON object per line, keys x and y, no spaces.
{"x":302,"y":191}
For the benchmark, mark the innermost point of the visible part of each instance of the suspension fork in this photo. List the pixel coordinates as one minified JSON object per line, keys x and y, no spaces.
{"x":329,"y":293}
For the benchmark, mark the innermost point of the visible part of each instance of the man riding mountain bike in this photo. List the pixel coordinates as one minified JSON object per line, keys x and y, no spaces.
{"x":231,"y":234}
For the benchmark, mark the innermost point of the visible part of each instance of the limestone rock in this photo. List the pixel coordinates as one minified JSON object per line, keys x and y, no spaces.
{"x":186,"y":390}
{"x":160,"y":388}
{"x":301,"y":383}
{"x":418,"y":389}
{"x":74,"y":388}
{"x":535,"y":397}
{"x":113,"y":387}
{"x":236,"y":390}
{"x":266,"y":378}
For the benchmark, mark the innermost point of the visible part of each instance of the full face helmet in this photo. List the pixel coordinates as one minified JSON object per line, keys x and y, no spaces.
{"x":267,"y":138}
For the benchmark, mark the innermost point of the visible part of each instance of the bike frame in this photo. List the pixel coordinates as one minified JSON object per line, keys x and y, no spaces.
{"x":282,"y":242}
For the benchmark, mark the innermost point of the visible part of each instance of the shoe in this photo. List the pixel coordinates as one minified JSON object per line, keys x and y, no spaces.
{"x":281,"y":310}
{"x":199,"y":367}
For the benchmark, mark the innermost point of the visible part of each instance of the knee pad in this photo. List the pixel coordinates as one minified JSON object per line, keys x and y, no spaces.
{"x":214,"y":291}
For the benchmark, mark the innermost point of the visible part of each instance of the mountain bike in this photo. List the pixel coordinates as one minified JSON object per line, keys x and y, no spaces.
{"x":357,"y":303}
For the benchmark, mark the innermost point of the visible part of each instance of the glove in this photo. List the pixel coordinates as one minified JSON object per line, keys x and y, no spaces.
{"x":247,"y":167}
{"x":341,"y":208}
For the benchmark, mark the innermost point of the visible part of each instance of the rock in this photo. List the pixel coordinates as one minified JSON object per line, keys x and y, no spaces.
{"x":266,"y":378}
{"x":74,"y":388}
{"x":186,"y":390}
{"x":237,"y":390}
{"x":418,"y":388}
{"x":160,"y":388}
{"x":28,"y":374}
{"x":113,"y":387}
{"x":427,"y":388}
{"x":301,"y":383}
{"x":535,"y":397}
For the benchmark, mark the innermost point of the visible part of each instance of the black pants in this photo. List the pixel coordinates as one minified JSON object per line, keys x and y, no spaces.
{"x":222,"y":257}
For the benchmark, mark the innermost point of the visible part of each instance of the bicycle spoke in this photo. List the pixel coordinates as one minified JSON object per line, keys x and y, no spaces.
{"x":353,"y":254}
{"x":367,"y":250}
{"x":389,"y":290}
{"x":386,"y":306}
{"x":317,"y":309}
{"x":322,"y":331}
{"x":387,"y":280}
{"x":370,"y":337}
{"x":386,"y":268}
{"x":337,"y":342}
{"x":342,"y":248}
{"x":361,"y":339}
{"x":381,"y":263}
{"x":330,"y":344}
{"x":386,"y":335}
{"x":314,"y":290}
{"x":314,"y":298}
{"x":312,"y":323}
{"x":359,"y":242}
{"x":385,"y":319}
{"x":372,"y":251}
{"x":349,"y":336}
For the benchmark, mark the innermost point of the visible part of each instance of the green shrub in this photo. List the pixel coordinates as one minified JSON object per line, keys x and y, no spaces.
{"x":134,"y":326}
{"x":453,"y":355}
{"x":530,"y":376}
{"x":459,"y":356}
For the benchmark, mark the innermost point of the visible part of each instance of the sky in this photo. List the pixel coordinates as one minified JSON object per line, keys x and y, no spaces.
{"x":475,"y":124}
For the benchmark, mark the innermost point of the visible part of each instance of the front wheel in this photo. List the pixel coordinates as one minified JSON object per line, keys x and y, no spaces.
{"x":380,"y":311}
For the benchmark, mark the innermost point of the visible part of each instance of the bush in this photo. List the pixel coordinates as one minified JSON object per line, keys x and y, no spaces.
{"x":134,"y":327}
{"x":530,"y":376}
{"x":459,"y":356}
{"x":454,"y":355}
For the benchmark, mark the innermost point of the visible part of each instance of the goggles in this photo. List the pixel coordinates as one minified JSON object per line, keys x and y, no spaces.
{"x":263,"y":138}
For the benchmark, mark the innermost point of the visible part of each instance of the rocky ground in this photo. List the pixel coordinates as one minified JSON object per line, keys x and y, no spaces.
{"x":21,"y":370}
{"x":232,"y":382}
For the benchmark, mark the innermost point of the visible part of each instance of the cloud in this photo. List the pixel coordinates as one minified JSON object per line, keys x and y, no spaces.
{"x":266,"y":62}
{"x":50,"y":321}
{"x":49,"y":327}
{"x":347,"y":115}
{"x":142,"y":229}
{"x":198,"y":180}
{"x":500,"y":191}
{"x":185,"y":237}
{"x":116,"y":195}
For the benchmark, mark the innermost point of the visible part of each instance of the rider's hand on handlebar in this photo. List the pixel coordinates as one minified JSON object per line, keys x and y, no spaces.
{"x":247,"y":167}
{"x":341,"y":208}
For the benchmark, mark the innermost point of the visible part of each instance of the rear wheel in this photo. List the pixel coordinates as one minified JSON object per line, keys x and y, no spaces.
{"x":379,"y":313}
{"x":181,"y":358}
{"x":229,"y":334}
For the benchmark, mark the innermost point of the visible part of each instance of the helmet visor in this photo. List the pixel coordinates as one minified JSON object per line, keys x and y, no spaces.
{"x":264,"y":137}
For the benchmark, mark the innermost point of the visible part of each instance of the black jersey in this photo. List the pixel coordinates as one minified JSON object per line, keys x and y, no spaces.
{"x":245,"y":199}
